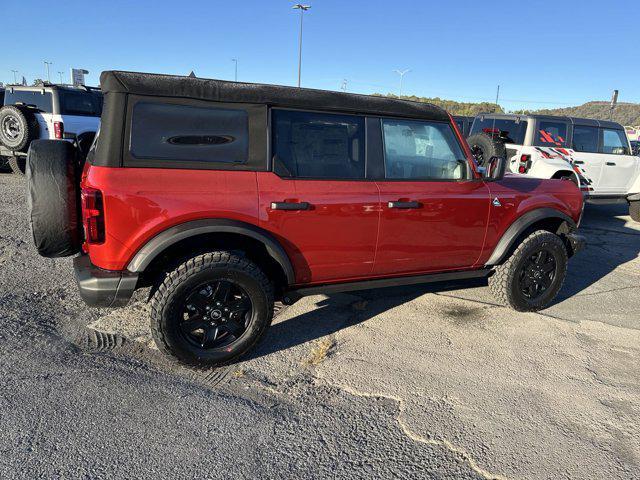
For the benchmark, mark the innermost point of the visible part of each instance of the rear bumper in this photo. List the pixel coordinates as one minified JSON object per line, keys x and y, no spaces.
{"x":576,"y":243}
{"x":103,"y":288}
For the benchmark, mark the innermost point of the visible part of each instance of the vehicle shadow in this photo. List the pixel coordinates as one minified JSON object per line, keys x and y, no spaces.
{"x":611,"y":242}
{"x":336,"y":312}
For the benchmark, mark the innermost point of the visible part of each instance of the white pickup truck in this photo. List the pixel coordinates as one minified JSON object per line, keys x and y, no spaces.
{"x":596,"y":154}
{"x":46,"y":112}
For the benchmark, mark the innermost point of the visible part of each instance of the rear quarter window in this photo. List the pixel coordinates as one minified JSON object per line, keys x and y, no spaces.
{"x":550,"y":134}
{"x":80,"y":103}
{"x":178,"y":133}
{"x":510,"y":131}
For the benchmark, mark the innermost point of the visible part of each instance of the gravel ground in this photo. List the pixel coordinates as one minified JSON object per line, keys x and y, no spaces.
{"x":408,"y":383}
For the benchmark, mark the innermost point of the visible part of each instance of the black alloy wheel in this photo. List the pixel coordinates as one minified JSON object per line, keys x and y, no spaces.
{"x":215,"y":314}
{"x":537,"y":274}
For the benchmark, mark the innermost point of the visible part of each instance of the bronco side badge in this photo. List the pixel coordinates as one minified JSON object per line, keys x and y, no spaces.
{"x":496,"y":202}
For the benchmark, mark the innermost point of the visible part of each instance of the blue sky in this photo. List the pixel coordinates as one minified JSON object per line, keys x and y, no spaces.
{"x":542,"y":54}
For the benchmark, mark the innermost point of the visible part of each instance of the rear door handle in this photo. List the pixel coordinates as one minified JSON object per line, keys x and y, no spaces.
{"x":611,"y":164}
{"x":578,"y":162}
{"x":290,"y":206}
{"x":399,"y":204}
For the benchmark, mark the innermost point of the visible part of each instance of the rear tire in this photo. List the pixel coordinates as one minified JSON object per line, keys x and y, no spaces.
{"x":484,"y":146}
{"x":634,"y":210}
{"x":212,"y":309}
{"x":533,"y":275}
{"x":18,"y":165}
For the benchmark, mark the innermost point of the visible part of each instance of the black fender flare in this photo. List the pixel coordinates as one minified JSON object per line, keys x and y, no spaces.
{"x":520,"y":225}
{"x":172,"y":235}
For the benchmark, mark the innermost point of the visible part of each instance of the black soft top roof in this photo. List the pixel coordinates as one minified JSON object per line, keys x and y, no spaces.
{"x":274,"y":95}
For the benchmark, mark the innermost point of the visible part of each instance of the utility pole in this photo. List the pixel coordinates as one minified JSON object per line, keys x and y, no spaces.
{"x":302,"y":8}
{"x":343,"y":87}
{"x":47,"y":65}
{"x":235,"y":60}
{"x":15,"y":76}
{"x":61,"y":81}
{"x":402,"y":74}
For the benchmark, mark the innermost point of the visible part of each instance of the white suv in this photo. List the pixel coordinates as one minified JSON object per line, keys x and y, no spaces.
{"x":46,"y":112}
{"x":596,"y":154}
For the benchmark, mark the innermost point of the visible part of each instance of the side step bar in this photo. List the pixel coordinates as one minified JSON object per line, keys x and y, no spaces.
{"x":293,"y":295}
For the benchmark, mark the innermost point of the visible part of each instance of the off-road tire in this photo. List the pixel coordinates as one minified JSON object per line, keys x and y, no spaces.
{"x":169,"y":298}
{"x":504,"y":285}
{"x":484,"y":146}
{"x":18,"y":165}
{"x":634,"y":210}
{"x":27,"y":127}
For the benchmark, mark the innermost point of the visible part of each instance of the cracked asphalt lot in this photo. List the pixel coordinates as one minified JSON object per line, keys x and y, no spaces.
{"x":420,"y":382}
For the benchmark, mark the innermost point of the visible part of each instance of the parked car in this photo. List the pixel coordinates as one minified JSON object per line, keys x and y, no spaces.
{"x":226,"y":197}
{"x":464,"y":124}
{"x":594,"y":153}
{"x":46,"y":112}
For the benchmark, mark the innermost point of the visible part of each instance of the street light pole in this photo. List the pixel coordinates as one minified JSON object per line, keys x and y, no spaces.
{"x":235,"y":60}
{"x":47,"y":65}
{"x":15,"y":76}
{"x":402,"y":74}
{"x":302,"y":8}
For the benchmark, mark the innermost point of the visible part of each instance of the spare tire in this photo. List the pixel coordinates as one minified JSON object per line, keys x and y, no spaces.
{"x":53,"y":198}
{"x":484,"y":146}
{"x":18,"y":127}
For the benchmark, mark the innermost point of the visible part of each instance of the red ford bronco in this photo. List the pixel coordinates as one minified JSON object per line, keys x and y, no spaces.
{"x":225,"y":197}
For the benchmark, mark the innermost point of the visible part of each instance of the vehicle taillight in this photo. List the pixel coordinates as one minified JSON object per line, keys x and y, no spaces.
{"x":93,"y":215}
{"x":525,"y":163}
{"x":58,"y":130}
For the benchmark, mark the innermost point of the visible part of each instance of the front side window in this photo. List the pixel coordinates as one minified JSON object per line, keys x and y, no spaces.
{"x":33,"y":98}
{"x":509,"y":131}
{"x":422,"y":151}
{"x":318,"y":145}
{"x":551,"y":134}
{"x":614,"y":142}
{"x":585,"y":139}
{"x":162,"y":131}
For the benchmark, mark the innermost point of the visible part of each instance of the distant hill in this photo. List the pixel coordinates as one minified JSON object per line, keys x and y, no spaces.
{"x":624,"y":113}
{"x":454,"y":108}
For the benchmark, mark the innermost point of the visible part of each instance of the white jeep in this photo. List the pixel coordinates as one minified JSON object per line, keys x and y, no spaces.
{"x":46,"y":112}
{"x":595,"y":154}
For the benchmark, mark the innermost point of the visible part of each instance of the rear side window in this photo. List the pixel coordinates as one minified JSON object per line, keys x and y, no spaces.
{"x":510,"y":131}
{"x":614,"y":142}
{"x":318,"y":145}
{"x":186,"y":133}
{"x":551,"y":134}
{"x":34,"y":98}
{"x":421,"y":151}
{"x":585,"y":139}
{"x":80,"y":103}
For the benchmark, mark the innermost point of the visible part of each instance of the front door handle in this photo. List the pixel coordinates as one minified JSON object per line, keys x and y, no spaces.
{"x":611,"y":164}
{"x":400,"y":204}
{"x":578,"y":162}
{"x":290,"y":206}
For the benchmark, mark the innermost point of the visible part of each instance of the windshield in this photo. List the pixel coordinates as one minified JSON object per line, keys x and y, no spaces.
{"x":509,"y":131}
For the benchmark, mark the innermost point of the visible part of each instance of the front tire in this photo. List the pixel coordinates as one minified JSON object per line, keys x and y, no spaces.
{"x":18,"y":165}
{"x":212,"y":309}
{"x":533,"y":275}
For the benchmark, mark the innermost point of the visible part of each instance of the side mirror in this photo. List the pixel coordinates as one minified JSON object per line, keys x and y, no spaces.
{"x":495,"y":169}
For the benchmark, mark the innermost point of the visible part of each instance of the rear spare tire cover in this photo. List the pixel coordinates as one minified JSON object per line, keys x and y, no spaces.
{"x":54,"y":198}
